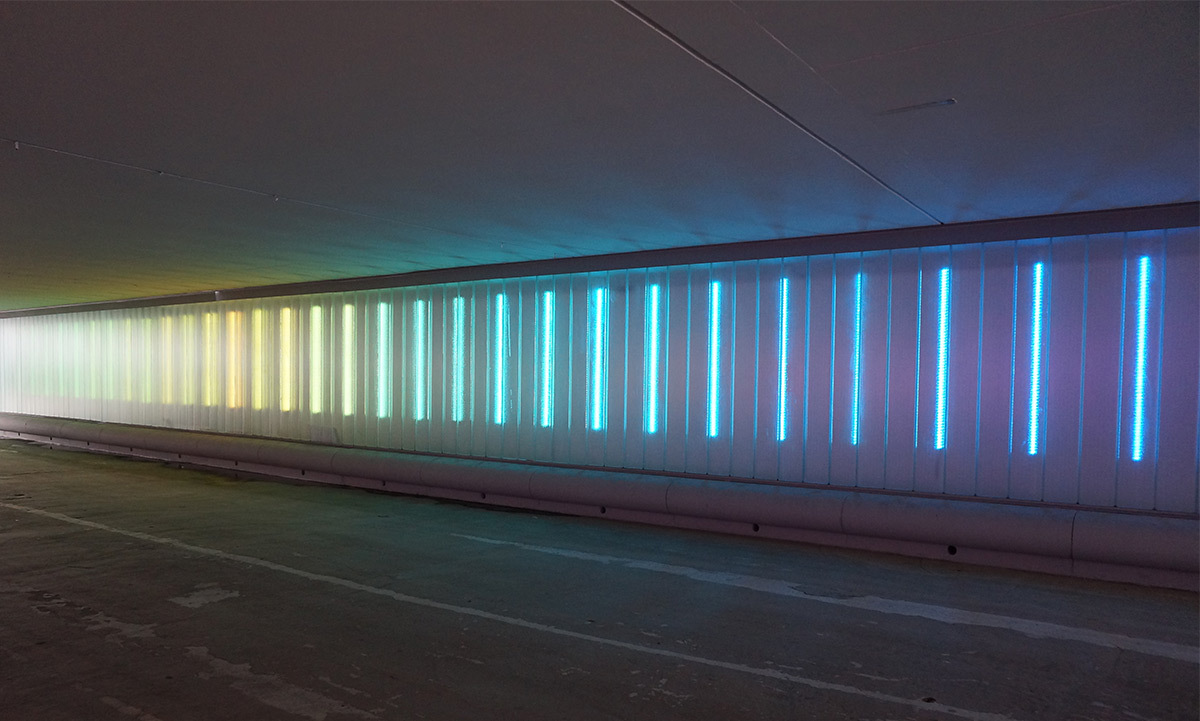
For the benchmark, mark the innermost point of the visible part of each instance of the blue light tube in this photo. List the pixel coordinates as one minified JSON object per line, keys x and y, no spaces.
{"x":652,"y":305}
{"x":856,"y":391}
{"x":714,"y":356}
{"x":383,"y":363}
{"x":781,"y":425}
{"x":1139,"y":372}
{"x":917,"y":381}
{"x":500,"y":387}
{"x":599,"y":339}
{"x":458,"y":391}
{"x":943,"y":359}
{"x":420,"y":334}
{"x":547,"y":358}
{"x":1035,"y":361}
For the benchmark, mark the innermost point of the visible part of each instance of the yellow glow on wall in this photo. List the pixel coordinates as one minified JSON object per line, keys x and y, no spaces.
{"x":168,"y":359}
{"x":147,"y":358}
{"x":188,"y":360}
{"x":128,"y":338}
{"x":95,"y":357}
{"x":257,"y":340}
{"x":287,"y":370}
{"x":349,"y":360}
{"x":210,"y":359}
{"x":316,"y":359}
{"x":234,"y":340}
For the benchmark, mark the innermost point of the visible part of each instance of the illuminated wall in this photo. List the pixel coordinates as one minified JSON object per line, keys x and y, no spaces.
{"x":1052,"y":370}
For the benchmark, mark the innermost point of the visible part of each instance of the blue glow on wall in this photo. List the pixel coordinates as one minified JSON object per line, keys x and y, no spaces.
{"x":458,"y":360}
{"x":547,"y":359}
{"x":714,"y":357}
{"x":420,"y":358}
{"x":943,"y":357}
{"x":500,"y":367}
{"x":856,"y":360}
{"x":1138,"y":434}
{"x":598,"y":360}
{"x":781,"y":424}
{"x":652,"y":336}
{"x":1035,"y":361}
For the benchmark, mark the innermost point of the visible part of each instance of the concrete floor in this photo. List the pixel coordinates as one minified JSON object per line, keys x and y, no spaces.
{"x":132,"y":590}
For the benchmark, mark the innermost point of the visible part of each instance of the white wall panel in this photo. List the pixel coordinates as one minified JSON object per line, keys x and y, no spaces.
{"x":1046,"y":370}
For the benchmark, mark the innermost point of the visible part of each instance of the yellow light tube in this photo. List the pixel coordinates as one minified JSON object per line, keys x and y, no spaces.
{"x":287,"y":350}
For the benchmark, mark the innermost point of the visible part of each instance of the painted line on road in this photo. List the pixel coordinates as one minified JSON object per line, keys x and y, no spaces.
{"x":944,"y":614}
{"x":519,"y":622}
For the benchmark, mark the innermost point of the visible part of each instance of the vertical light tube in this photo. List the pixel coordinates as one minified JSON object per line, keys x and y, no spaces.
{"x":420,"y":343}
{"x":500,"y":380}
{"x":126,"y":348}
{"x":943,"y":358}
{"x":233,"y":359}
{"x":547,"y":358}
{"x":653,"y":301}
{"x":189,"y":371}
{"x":598,"y":336}
{"x":458,"y":371}
{"x":781,"y":426}
{"x":349,"y":360}
{"x":1138,"y":434}
{"x":146,"y":351}
{"x":316,"y":359}
{"x":917,"y":375}
{"x":856,"y":360}
{"x":714,"y":357}
{"x":383,"y":362}
{"x":209,"y":351}
{"x":168,"y":359}
{"x":258,"y":331}
{"x":1035,"y":361}
{"x":287,"y":367}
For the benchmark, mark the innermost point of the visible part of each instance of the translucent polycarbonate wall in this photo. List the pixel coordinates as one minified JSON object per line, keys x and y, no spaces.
{"x":1059,"y":370}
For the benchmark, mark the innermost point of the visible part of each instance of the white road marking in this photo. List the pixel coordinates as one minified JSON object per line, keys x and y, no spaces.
{"x":519,"y":622}
{"x":944,"y":614}
{"x":203,"y":596}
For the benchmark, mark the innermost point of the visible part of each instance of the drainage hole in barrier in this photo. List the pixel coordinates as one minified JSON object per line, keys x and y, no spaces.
{"x":302,"y":471}
{"x":483,"y":495}
{"x":952,"y":550}
{"x":603,"y":509}
{"x":756,"y":528}
{"x":929,"y":699}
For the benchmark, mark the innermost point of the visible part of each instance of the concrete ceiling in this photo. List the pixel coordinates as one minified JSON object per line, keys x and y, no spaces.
{"x":312,"y":141}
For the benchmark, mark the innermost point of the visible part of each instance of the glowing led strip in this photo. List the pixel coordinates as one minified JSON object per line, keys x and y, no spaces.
{"x":1035,"y":361}
{"x":652,"y":333}
{"x":210,"y":358}
{"x":168,"y":359}
{"x":547,"y":358}
{"x":856,"y":360}
{"x":258,"y":332}
{"x":500,"y":386}
{"x":234,"y":390}
{"x":599,"y":359}
{"x":458,"y":390}
{"x":1139,"y":371}
{"x":349,"y":360}
{"x":420,"y":343}
{"x":943,"y":357}
{"x":287,"y":369}
{"x":781,"y":427}
{"x":316,"y":359}
{"x":188,"y":362}
{"x":714,"y":357}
